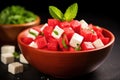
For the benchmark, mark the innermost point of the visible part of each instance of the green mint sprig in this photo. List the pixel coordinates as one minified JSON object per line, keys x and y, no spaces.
{"x":69,"y":14}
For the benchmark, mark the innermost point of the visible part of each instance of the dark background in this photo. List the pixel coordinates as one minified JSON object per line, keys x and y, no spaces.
{"x":99,"y":8}
{"x":99,"y":12}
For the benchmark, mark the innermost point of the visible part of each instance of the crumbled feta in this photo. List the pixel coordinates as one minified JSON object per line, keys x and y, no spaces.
{"x":98,"y":43}
{"x":7,"y":49}
{"x":15,"y":67}
{"x":22,"y":59}
{"x":76,"y":40}
{"x":7,"y":58}
{"x":57,"y":32}
{"x":84,"y":24}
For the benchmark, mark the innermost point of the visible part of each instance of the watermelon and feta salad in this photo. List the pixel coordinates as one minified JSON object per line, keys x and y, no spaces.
{"x":66,"y":36}
{"x":64,"y":33}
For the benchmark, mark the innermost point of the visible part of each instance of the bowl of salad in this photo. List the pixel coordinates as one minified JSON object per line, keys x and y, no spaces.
{"x":14,"y":19}
{"x":66,"y":48}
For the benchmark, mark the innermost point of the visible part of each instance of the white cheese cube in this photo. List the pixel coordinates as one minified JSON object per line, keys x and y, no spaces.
{"x":76,"y":40}
{"x":7,"y":49}
{"x":7,"y":58}
{"x":33,"y":44}
{"x":98,"y":43}
{"x":32,"y":33}
{"x":43,"y":27}
{"x":15,"y":68}
{"x":57,"y":32}
{"x":84,"y":24}
{"x":22,"y":59}
{"x":89,"y":45}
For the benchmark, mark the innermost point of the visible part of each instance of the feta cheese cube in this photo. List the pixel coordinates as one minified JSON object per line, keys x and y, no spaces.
{"x":76,"y":40}
{"x":43,"y":27}
{"x":15,"y":68}
{"x":22,"y":59}
{"x":33,"y":44}
{"x":84,"y":24}
{"x":7,"y":49}
{"x":98,"y":43}
{"x":57,"y":32}
{"x":32,"y":33}
{"x":7,"y":58}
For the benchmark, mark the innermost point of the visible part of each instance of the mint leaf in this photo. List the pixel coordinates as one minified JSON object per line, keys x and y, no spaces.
{"x":71,"y":12}
{"x":55,"y":12}
{"x":64,"y":44}
{"x":32,"y":33}
{"x":56,"y":32}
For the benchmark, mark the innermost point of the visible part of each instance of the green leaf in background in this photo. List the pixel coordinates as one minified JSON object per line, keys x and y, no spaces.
{"x":71,"y":12}
{"x":16,"y":15}
{"x":55,"y":12}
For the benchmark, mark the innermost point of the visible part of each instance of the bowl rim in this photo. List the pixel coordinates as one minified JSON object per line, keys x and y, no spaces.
{"x":68,"y":52}
{"x":37,"y":21}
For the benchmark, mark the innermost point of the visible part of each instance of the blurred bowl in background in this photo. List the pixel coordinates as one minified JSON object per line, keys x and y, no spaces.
{"x":9,"y":32}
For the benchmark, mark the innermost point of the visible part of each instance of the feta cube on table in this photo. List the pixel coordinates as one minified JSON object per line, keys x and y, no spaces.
{"x":7,"y":49}
{"x":7,"y":58}
{"x":57,"y":32}
{"x":15,"y":68}
{"x":76,"y":40}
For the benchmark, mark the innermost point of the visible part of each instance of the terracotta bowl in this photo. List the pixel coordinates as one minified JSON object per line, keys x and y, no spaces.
{"x":66,"y":64}
{"x":9,"y":32}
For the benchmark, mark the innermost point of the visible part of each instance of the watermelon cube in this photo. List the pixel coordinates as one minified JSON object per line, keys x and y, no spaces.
{"x":47,"y":31}
{"x":75,"y":24}
{"x":41,"y":42}
{"x":27,"y":40}
{"x":105,"y":40}
{"x":69,"y":32}
{"x":53,"y":22}
{"x":64,"y":24}
{"x":52,"y":46}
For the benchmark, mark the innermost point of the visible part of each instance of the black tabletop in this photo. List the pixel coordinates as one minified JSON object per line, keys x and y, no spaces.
{"x":109,"y":70}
